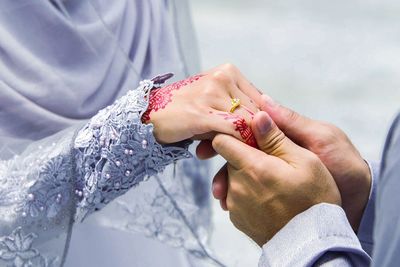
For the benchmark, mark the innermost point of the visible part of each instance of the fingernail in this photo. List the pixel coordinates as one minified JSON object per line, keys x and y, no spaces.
{"x":269,"y":101}
{"x":264,"y":124}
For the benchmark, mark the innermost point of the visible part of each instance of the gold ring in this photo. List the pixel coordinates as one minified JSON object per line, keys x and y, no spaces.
{"x":235,"y":102}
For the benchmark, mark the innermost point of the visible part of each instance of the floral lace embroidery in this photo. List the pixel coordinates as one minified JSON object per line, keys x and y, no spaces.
{"x":36,"y":197}
{"x":17,"y":250}
{"x":112,"y":153}
{"x":174,"y":209}
{"x":52,"y":191}
{"x":115,"y":151}
{"x":37,"y":185}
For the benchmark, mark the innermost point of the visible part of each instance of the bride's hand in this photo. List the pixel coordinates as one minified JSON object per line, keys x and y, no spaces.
{"x":200,"y":106}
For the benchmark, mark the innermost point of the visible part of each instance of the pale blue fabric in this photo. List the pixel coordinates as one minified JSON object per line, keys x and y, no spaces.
{"x":61,"y":62}
{"x":66,"y":176}
{"x":386,"y":250}
{"x":310,"y":236}
{"x":322,"y":236}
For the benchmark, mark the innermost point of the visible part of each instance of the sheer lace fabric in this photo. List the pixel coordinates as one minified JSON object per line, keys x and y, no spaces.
{"x":48,"y":84}
{"x":74,"y":173}
{"x":116,"y":151}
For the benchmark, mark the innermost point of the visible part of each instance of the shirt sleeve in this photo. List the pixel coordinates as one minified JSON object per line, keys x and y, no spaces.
{"x":365,"y":230}
{"x":321,"y":236}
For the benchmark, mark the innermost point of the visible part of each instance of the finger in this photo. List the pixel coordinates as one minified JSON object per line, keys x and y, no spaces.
{"x":226,"y":87}
{"x":250,"y":90}
{"x":243,"y":84}
{"x":236,"y":183}
{"x":247,"y":107}
{"x":243,"y":157}
{"x":232,"y":124}
{"x":237,"y":153}
{"x":272,"y":140}
{"x":204,"y":150}
{"x":246,"y":100}
{"x":220,"y":183}
{"x":242,"y":116}
{"x":294,"y":125}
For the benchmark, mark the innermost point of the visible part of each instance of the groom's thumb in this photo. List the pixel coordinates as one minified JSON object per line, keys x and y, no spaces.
{"x":295,"y":126}
{"x":271,"y":139}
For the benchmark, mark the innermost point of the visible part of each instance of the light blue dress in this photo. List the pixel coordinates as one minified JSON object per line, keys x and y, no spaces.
{"x":72,"y":142}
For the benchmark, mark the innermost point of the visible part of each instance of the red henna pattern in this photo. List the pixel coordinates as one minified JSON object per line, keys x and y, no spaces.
{"x":161,"y":97}
{"x":242,"y":127}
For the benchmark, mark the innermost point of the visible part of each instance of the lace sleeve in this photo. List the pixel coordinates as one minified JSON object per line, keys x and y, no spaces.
{"x":115,"y":151}
{"x":67,"y":176}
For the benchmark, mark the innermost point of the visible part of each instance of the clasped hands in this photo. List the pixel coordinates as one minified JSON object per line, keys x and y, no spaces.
{"x":279,"y":163}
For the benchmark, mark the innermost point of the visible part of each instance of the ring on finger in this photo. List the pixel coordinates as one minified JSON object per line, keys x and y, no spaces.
{"x":235,"y":103}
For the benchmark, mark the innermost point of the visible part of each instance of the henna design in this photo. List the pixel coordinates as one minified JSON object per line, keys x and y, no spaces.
{"x":161,"y":97}
{"x":242,"y":127}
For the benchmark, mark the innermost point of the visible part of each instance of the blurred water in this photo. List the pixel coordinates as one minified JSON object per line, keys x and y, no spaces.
{"x":337,"y":61}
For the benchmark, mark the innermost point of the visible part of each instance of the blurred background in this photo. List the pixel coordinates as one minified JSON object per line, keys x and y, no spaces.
{"x":337,"y":61}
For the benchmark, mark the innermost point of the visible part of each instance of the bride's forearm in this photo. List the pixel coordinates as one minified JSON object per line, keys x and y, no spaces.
{"x":65,"y":177}
{"x":116,"y":150}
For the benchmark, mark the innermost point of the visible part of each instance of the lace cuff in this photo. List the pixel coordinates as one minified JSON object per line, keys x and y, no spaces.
{"x":69,"y":175}
{"x":115,"y":151}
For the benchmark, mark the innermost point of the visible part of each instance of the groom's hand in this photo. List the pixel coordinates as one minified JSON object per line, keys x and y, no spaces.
{"x":329,"y":143}
{"x":268,"y":187}
{"x":333,"y":147}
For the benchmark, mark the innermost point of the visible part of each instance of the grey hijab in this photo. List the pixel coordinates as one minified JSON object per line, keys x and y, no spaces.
{"x":62,"y":61}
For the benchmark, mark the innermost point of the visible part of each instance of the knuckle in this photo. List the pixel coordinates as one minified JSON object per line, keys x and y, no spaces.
{"x":220,"y":77}
{"x":236,"y":190}
{"x":312,"y":159}
{"x":292,"y":115}
{"x":256,"y":168}
{"x":229,"y":67}
{"x":210,"y":91}
{"x":335,"y":131}
{"x":329,"y":132}
{"x":218,"y":142}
